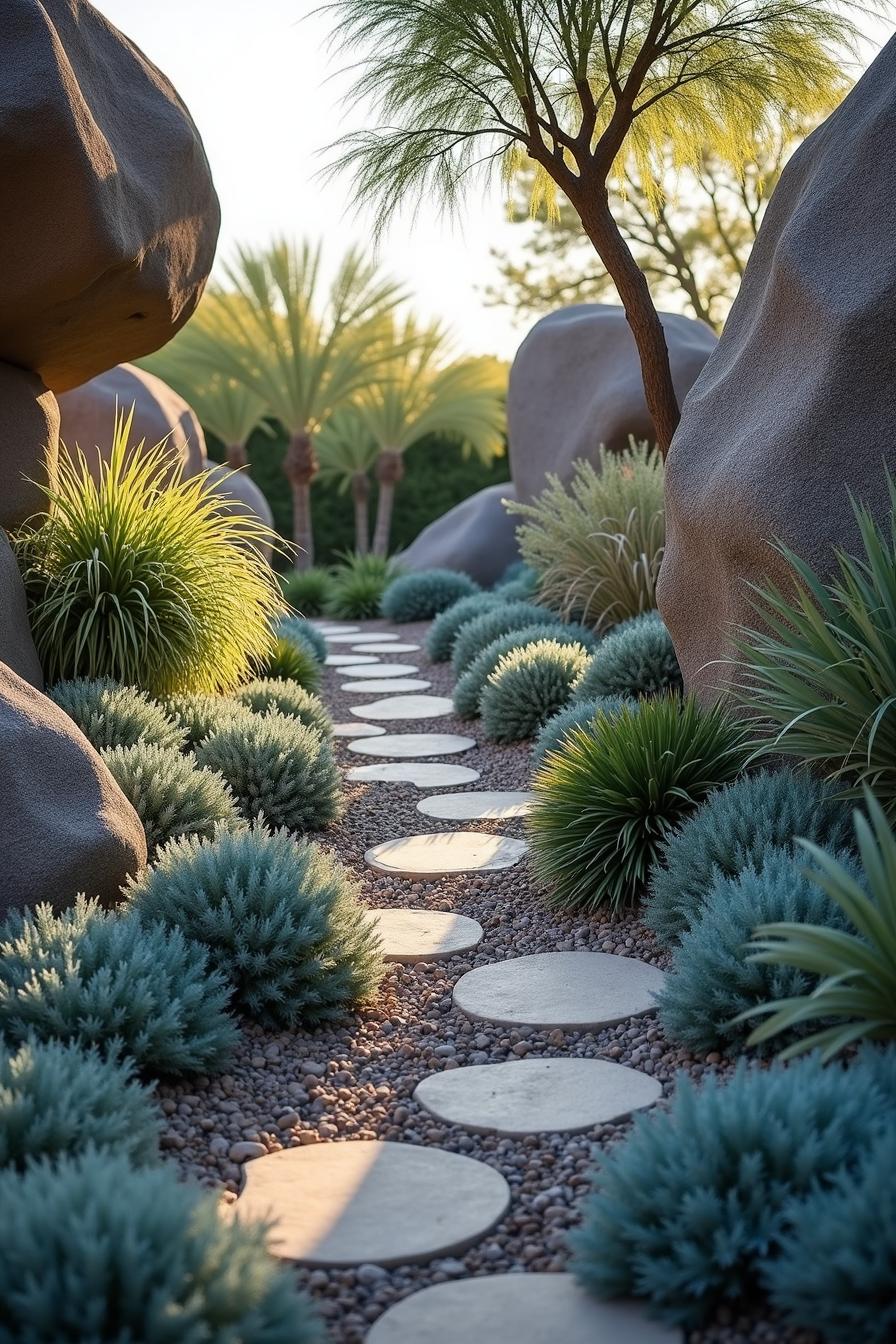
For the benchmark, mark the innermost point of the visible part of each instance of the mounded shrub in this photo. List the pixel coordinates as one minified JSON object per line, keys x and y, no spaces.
{"x":290,"y":661}
{"x":93,"y":1249}
{"x":499,"y":619}
{"x":604,"y":807}
{"x":358,"y":585}
{"x":733,"y":829}
{"x":290,"y":699}
{"x":577,"y":714}
{"x":694,"y":1203}
{"x":56,"y":1098}
{"x":444,"y":630}
{"x":279,"y":918}
{"x":638,"y":659}
{"x":517,"y":569}
{"x":110,"y":715}
{"x":527,"y":687}
{"x":523,"y":589}
{"x":471,"y":683}
{"x":279,"y":770}
{"x":198,"y":714}
{"x":307,"y":590}
{"x":171,"y":795}
{"x":98,"y":978}
{"x":300,"y":631}
{"x":419,"y":597}
{"x":712,"y":979}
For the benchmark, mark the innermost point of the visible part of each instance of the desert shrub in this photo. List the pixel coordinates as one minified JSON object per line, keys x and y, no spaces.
{"x":56,"y":1098}
{"x":471,"y":683}
{"x":93,"y":1249}
{"x":711,"y":980}
{"x":289,"y":699}
{"x":577,"y":714}
{"x":639,"y":659}
{"x":517,"y":569}
{"x":96,"y":978}
{"x":523,"y":589}
{"x":499,"y":619}
{"x":279,"y":918}
{"x":290,"y":661}
{"x":836,"y":1264}
{"x":596,"y":542}
{"x":110,"y":715}
{"x":154,"y":588}
{"x":299,"y":631}
{"x":732,"y":830}
{"x":307,"y":590}
{"x":358,"y":585}
{"x":819,"y":675}
{"x":278,"y":769}
{"x":199,"y":714}
{"x":419,"y":597}
{"x":692,"y":1205}
{"x":444,"y":630}
{"x":171,"y":795}
{"x":528,"y":686}
{"x":604,"y":807}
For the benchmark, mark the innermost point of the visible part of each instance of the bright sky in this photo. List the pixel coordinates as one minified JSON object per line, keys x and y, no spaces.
{"x":265,"y":94}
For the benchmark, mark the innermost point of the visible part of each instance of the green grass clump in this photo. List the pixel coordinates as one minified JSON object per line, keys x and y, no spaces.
{"x":153,"y":588}
{"x":110,"y":715}
{"x":527,"y":687}
{"x":279,"y":918}
{"x":307,"y":590}
{"x":300,"y":631}
{"x":96,"y":1251}
{"x":444,"y":630}
{"x":289,"y":699}
{"x":577,"y":714}
{"x":419,"y":597}
{"x":605,"y":806}
{"x":291,"y":661}
{"x":499,"y":619}
{"x":96,"y":978}
{"x":278,"y":769}
{"x":56,"y":1099}
{"x":638,"y":659}
{"x":199,"y":714}
{"x":471,"y":683}
{"x":358,"y":585}
{"x":171,"y":795}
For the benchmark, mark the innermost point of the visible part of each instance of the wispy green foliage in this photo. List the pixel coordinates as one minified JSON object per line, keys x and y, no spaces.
{"x":307,"y":590}
{"x":290,"y":660}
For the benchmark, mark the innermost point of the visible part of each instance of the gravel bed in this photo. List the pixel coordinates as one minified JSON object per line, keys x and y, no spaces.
{"x":356,"y":1081}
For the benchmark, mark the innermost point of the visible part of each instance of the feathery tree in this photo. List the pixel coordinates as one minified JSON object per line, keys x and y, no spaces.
{"x":346,"y":454}
{"x":586,"y":89}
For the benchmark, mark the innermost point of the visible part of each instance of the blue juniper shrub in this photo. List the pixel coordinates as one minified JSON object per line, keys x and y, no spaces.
{"x":445,"y":628}
{"x":527,"y":687}
{"x":577,"y":714}
{"x":637,"y":658}
{"x":471,"y":683}
{"x":419,"y":597}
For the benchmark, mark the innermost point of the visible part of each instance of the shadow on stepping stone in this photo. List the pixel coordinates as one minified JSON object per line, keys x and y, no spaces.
{"x":578,"y":991}
{"x":478,"y":805}
{"x":445,"y":853}
{"x":422,"y":774}
{"x":424,"y":935}
{"x":357,"y":730}
{"x":408,"y":746}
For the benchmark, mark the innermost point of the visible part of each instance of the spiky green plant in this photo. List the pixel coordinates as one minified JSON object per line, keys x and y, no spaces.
{"x":278,"y":769}
{"x":307,"y":590}
{"x":855,"y":998}
{"x":821,"y":669}
{"x":528,"y":686}
{"x":57,"y":1099}
{"x":498,"y":619}
{"x":637,"y":659}
{"x":605,"y":806}
{"x":110,"y":715}
{"x":359,"y":582}
{"x":300,"y":631}
{"x":200,"y":714}
{"x":472,"y":682}
{"x":97,"y":978}
{"x":289,"y":699}
{"x":279,"y":918}
{"x":445,"y":628}
{"x":290,"y":661}
{"x":578,"y":714}
{"x":152,"y":587}
{"x":421,"y":596}
{"x":93,"y":1249}
{"x":171,"y":795}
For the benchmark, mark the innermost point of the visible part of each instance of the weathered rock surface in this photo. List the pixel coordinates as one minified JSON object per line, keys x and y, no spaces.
{"x":29,"y":443}
{"x":65,"y":826}
{"x":576,"y":384}
{"x":476,"y":536}
{"x":16,"y":645}
{"x":240,"y":495}
{"x":798,"y":402}
{"x":113,"y":217}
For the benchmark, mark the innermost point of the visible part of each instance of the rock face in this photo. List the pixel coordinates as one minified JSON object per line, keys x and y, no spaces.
{"x":576,"y":384}
{"x":65,"y":826}
{"x":476,"y":536}
{"x":87,"y":417}
{"x":115,"y":218}
{"x":240,"y":495}
{"x":29,"y":442}
{"x":797,"y":404}
{"x":16,"y":645}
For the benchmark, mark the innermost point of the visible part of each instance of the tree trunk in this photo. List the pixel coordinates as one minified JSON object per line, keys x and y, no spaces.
{"x":389,"y":471}
{"x":361,"y":497}
{"x":237,"y":457}
{"x":300,"y":468}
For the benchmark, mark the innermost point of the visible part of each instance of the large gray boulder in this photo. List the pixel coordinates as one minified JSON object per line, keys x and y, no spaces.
{"x":576,"y":384}
{"x":16,"y":645}
{"x":477,"y":536}
{"x":797,"y":405}
{"x":239,"y":495}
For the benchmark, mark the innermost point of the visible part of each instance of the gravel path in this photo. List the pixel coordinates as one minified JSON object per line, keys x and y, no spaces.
{"x":356,"y":1082}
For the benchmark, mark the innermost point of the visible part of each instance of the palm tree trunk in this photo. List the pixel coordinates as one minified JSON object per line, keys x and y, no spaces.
{"x":361,"y":497}
{"x":300,"y":468}
{"x":389,"y":471}
{"x":237,"y":457}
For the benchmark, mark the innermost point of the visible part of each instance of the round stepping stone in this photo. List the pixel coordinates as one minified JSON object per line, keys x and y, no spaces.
{"x":424,"y":774}
{"x":387,"y":670}
{"x":537,"y":1096}
{"x":425,"y":935}
{"x":349,"y":660}
{"x":408,"y":707}
{"x":369,"y":1202}
{"x":327,"y":628}
{"x":377,"y":686}
{"x":476,"y":806}
{"x":406,"y":746}
{"x":359,"y":640}
{"x":357,"y":730}
{"x":390,"y":648}
{"x":445,"y":853}
{"x":516,"y":1309}
{"x":579,"y":991}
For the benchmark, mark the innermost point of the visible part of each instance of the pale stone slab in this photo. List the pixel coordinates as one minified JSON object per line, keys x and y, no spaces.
{"x":378,"y":686}
{"x":516,"y":1309}
{"x":359,"y":639}
{"x":327,"y":628}
{"x":537,"y":1096}
{"x":444,"y":853}
{"x":424,"y":935}
{"x":390,"y":648}
{"x":387,"y":670}
{"x":423,"y":774}
{"x":480,"y":805}
{"x":349,"y":660}
{"x":406,"y":746}
{"x":407,"y":707}
{"x":369,"y":1202}
{"x":357,"y":730}
{"x":579,"y":991}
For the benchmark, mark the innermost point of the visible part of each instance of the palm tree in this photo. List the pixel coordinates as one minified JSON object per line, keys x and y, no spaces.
{"x":417,"y":397}
{"x":346,"y":453}
{"x":302,"y":354}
